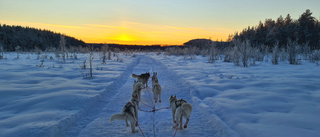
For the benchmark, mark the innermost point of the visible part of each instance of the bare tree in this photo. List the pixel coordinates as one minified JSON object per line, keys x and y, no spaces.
{"x":62,"y":46}
{"x":90,"y":60}
{"x":275,"y":54}
{"x":2,"y":51}
{"x":104,"y":50}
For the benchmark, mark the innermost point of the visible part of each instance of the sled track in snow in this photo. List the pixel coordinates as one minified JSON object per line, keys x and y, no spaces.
{"x":73,"y":124}
{"x":218,"y":127}
{"x":94,"y":119}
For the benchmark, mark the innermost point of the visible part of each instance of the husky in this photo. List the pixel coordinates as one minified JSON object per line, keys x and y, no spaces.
{"x":156,"y":88}
{"x":129,"y":112}
{"x":143,"y":78}
{"x":155,"y":77}
{"x":137,"y":86}
{"x":180,"y":108}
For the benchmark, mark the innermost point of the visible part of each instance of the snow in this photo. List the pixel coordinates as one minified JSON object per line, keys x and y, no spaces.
{"x":55,"y":100}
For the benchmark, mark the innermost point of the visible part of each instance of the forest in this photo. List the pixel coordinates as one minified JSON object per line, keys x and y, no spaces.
{"x":14,"y":38}
{"x":305,"y":31}
{"x":300,"y":35}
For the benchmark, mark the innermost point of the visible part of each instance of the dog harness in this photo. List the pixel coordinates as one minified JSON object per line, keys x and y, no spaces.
{"x":127,"y":106}
{"x":181,"y":101}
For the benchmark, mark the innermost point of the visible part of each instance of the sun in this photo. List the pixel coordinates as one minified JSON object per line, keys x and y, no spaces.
{"x":124,"y":37}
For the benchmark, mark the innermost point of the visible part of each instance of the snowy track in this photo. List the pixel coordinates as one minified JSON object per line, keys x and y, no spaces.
{"x":228,"y":101}
{"x":96,"y":123}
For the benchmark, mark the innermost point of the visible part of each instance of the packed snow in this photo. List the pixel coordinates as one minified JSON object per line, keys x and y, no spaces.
{"x":54,"y":99}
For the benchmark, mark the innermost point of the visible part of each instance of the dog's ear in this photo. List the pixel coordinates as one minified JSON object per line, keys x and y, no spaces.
{"x":175,"y":96}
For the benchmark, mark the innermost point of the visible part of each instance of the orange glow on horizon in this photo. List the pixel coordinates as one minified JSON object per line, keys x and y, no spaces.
{"x":131,"y":33}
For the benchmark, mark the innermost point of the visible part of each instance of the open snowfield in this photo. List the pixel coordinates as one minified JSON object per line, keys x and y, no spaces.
{"x":228,"y":101}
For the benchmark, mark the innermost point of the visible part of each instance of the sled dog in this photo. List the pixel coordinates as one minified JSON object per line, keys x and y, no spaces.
{"x":143,"y":78}
{"x":129,"y":112}
{"x":156,"y":88}
{"x":155,"y":77}
{"x":137,"y":86}
{"x":180,"y":107}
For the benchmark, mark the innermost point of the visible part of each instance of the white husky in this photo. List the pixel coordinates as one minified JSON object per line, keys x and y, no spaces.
{"x":129,"y":112}
{"x":156,"y":88}
{"x":137,"y":86}
{"x":180,"y":108}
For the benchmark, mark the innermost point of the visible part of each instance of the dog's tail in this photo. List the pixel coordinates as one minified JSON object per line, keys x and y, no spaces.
{"x":135,"y":76}
{"x":118,"y":116}
{"x":187,"y":109}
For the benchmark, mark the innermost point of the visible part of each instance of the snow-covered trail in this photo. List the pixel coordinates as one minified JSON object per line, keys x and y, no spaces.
{"x":203,"y":122}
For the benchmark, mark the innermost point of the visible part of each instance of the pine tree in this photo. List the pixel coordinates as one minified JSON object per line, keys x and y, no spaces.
{"x":306,"y":27}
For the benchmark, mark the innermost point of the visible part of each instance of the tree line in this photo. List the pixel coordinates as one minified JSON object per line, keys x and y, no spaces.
{"x":27,"y":39}
{"x":305,"y":31}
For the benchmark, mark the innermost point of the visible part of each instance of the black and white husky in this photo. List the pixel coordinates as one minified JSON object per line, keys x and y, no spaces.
{"x":156,"y":88}
{"x":129,"y":112}
{"x":180,"y":108}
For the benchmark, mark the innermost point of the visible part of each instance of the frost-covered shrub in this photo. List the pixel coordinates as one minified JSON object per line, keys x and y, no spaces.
{"x":275,"y":55}
{"x":314,"y":57}
{"x":2,"y":51}
{"x":17,"y":48}
{"x":255,"y":55}
{"x":159,"y":52}
{"x":213,"y":54}
{"x":293,"y":50}
{"x":118,"y":58}
{"x":241,"y":53}
{"x":62,"y":46}
{"x":283,"y":55}
{"x":228,"y":54}
{"x":41,"y":65}
{"x":109,"y":54}
{"x":104,"y":51}
{"x":91,"y":57}
{"x":83,"y":66}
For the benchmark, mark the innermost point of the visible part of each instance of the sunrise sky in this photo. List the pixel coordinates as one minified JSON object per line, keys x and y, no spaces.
{"x":147,"y":22}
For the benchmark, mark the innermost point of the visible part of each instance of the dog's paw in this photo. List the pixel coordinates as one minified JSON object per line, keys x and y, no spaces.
{"x":175,"y":122}
{"x":159,"y":101}
{"x":185,"y":126}
{"x":135,"y":131}
{"x":127,"y":125}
